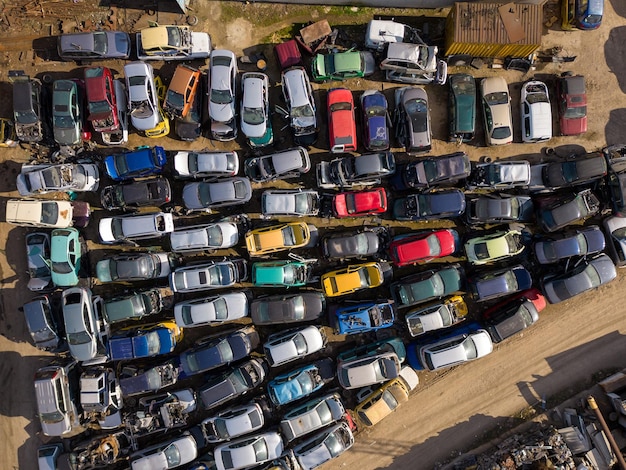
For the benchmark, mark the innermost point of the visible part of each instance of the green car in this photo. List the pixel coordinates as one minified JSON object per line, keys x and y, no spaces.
{"x":494,"y":247}
{"x":65,"y":254}
{"x":462,"y":107}
{"x":342,"y":65}
{"x":280,"y":273}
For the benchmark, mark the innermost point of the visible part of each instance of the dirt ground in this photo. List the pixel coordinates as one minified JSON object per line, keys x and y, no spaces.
{"x":452,"y":410}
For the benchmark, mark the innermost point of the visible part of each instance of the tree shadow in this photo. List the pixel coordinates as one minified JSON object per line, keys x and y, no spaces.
{"x":614,"y":129}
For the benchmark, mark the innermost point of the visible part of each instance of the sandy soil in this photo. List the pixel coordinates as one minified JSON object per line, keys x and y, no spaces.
{"x":452,"y":410}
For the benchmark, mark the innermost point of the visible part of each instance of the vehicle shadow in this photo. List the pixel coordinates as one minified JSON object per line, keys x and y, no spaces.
{"x":614,"y":129}
{"x":9,"y":170}
{"x":16,"y":373}
{"x":615,"y":55}
{"x":620,"y":7}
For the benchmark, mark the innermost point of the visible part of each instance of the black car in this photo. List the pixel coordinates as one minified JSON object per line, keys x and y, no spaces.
{"x":41,"y":323}
{"x":233,"y":383}
{"x":431,"y":171}
{"x":574,"y":171}
{"x":355,"y":244}
{"x":151,"y":192}
{"x":616,"y":162}
{"x":431,"y":205}
{"x":513,"y":315}
{"x":498,"y":208}
{"x":561,"y":212}
{"x":350,"y":171}
{"x":287,"y":308}
{"x":27,"y":109}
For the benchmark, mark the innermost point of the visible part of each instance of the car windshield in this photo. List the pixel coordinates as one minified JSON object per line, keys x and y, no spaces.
{"x":470,"y":349}
{"x":121,"y":164}
{"x":577,"y":112}
{"x":78,"y":337}
{"x":253,"y":116}
{"x":238,"y":381}
{"x":333,"y":444}
{"x":221,"y":96}
{"x":61,"y":267}
{"x":154,"y":343}
{"x":99,"y":107}
{"x":324,"y":412}
{"x":214,"y":234}
{"x":343,"y":106}
{"x":220,"y":428}
{"x":433,"y":245}
{"x":289,"y":236}
{"x":417,"y":109}
{"x":260,"y":450}
{"x":364,"y":275}
{"x":301,"y":203}
{"x":431,"y":170}
{"x":225,"y":351}
{"x":481,"y":251}
{"x":300,"y":344}
{"x":177,"y":100}
{"x":499,"y":97}
{"x":570,"y":171}
{"x":117,"y":228}
{"x":592,"y":274}
{"x":301,"y":111}
{"x":306,"y":382}
{"x":376,"y":111}
{"x":49,"y":212}
{"x":513,"y":241}
{"x":172,"y":455}
{"x":63,"y":122}
{"x":511,"y":281}
{"x":221,"y":309}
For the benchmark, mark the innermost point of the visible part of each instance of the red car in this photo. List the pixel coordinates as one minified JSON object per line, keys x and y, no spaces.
{"x":572,"y":104}
{"x":355,"y":203}
{"x":341,"y":121}
{"x":101,"y":99}
{"x":423,"y":247}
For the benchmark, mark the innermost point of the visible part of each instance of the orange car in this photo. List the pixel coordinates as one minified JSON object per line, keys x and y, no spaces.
{"x":181,"y":91}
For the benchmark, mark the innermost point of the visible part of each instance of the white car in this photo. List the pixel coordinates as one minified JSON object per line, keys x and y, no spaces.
{"x":171,"y":454}
{"x":287,"y":346}
{"x":311,"y":416}
{"x":42,"y":179}
{"x":233,"y":422}
{"x":215,"y":236}
{"x":455,"y":350}
{"x":212,"y":310}
{"x":293,"y":202}
{"x":298,"y":96}
{"x":324,"y":446}
{"x":205,"y":164}
{"x":211,"y":275}
{"x":143,"y":101}
{"x":83,"y":324}
{"x":255,"y":109}
{"x":496,"y":111}
{"x":222,"y":99}
{"x":536,"y":112}
{"x":119,"y":136}
{"x":135,"y":226}
{"x":248,"y":451}
{"x":207,"y":195}
{"x":39,"y":213}
{"x":369,"y":370}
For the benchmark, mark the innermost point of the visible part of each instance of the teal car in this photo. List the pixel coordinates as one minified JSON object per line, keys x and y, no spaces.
{"x":280,"y":274}
{"x":65,"y":256}
{"x":342,"y":65}
{"x":462,"y":107}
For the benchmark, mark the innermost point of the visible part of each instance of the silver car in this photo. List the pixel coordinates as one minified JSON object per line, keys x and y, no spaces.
{"x":293,"y":202}
{"x":298,"y":96}
{"x":219,"y":235}
{"x":205,"y":195}
{"x":255,"y":110}
{"x":248,"y":451}
{"x":135,"y":227}
{"x":42,"y":179}
{"x":84,"y":324}
{"x":222,"y":98}
{"x":311,"y":416}
{"x":369,"y":370}
{"x":233,"y":422}
{"x":324,"y":446}
{"x":170,"y":454}
{"x":212,"y":310}
{"x":211,"y":275}
{"x":205,"y":164}
{"x":289,"y":163}
{"x":412,"y":119}
{"x":143,"y":101}
{"x":94,"y":45}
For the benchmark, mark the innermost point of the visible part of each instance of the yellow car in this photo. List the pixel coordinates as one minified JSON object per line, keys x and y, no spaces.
{"x":163,"y":127}
{"x":355,"y":277}
{"x":278,"y":238}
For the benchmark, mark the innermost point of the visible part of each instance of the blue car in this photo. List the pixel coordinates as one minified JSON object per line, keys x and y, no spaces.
{"x":495,"y":284}
{"x":394,"y":345}
{"x":144,"y":341}
{"x":300,"y":383}
{"x":144,"y":161}
{"x":362,"y":317}
{"x":375,"y":121}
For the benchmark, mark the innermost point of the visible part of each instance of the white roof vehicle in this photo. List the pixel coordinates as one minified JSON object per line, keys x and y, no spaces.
{"x":41,"y":179}
{"x":205,"y":164}
{"x":135,"y":226}
{"x":295,"y":202}
{"x":536,"y":112}
{"x":324,"y":446}
{"x":172,"y":42}
{"x":248,"y":451}
{"x":414,"y":63}
{"x":311,"y":416}
{"x":205,"y":237}
{"x":39,"y":213}
{"x":211,"y":310}
{"x":496,"y":104}
{"x":287,"y":346}
{"x":171,"y":454}
{"x":456,"y":350}
{"x":233,"y":422}
{"x":143,"y":101}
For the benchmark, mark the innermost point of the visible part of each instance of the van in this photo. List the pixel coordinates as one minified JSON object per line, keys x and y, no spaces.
{"x":55,"y":401}
{"x":536,"y":112}
{"x":462,"y":107}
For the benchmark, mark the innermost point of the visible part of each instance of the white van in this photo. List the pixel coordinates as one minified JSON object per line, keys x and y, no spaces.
{"x":55,"y":405}
{"x":536,"y":112}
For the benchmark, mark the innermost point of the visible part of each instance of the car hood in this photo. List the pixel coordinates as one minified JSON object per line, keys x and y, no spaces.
{"x":67,"y":136}
{"x":221,"y":112}
{"x":58,"y":428}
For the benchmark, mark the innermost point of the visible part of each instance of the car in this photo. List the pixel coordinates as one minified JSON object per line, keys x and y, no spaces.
{"x":83,"y":324}
{"x":67,"y":112}
{"x":581,"y":242}
{"x":143,"y":101}
{"x":381,"y":402}
{"x":368,"y":370}
{"x":194,"y":165}
{"x":133,"y":306}
{"x":233,"y":383}
{"x":56,"y":399}
{"x":427,"y":285}
{"x":536,"y":112}
{"x":589,"y":274}
{"x":256,"y":123}
{"x":262,"y":241}
{"x":498,"y":208}
{"x":494,"y":247}
{"x":432,"y":171}
{"x":144,"y":161}
{"x":41,"y":323}
{"x":173,"y":453}
{"x":120,"y":135}
{"x":341,"y":121}
{"x":300,"y":383}
{"x":361,"y":317}
{"x":222,"y":95}
{"x":375,"y":118}
{"x":135,"y":380}
{"x":461,"y":107}
{"x":138,"y":266}
{"x":360,"y":203}
{"x":124,"y":228}
{"x":581,"y":14}
{"x":381,"y":33}
{"x":208,"y":237}
{"x":494,"y":284}
{"x":298,"y":96}
{"x":94,"y":45}
{"x":413,"y":62}
{"x":248,"y":451}
{"x":162,"y":127}
{"x":615,"y":229}
{"x":499,"y":175}
{"x":101,"y":397}
{"x":293,"y":344}
{"x":288,"y":163}
{"x":38,"y":257}
{"x":461,"y":346}
{"x":442,"y":314}
{"x":48,"y":456}
{"x":289,"y":202}
{"x":233,"y":422}
{"x":616,"y":179}
{"x":209,"y":275}
{"x":342,"y":65}
{"x":212,"y":310}
{"x":151,"y":340}
{"x":280,"y":274}
{"x":207,"y":195}
{"x":412,"y":120}
{"x":101,"y":99}
{"x":172,"y":42}
{"x":423,"y":247}
{"x":575,"y":171}
{"x":392,"y":344}
{"x":572,"y":104}
{"x":47,"y":213}
{"x":152,"y":192}
{"x":496,"y":111}
{"x":27,"y":109}
{"x":558,"y":213}
{"x":311,"y":416}
{"x":211,"y":352}
{"x":514,"y":314}
{"x":189,"y":128}
{"x":324,"y":446}
{"x":434,"y":204}
{"x":360,"y":243}
{"x":45,"y":178}
{"x":182,"y":91}
{"x":351,"y":171}
{"x":287,"y":308}
{"x":355,"y":277}
{"x":65,"y":256}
